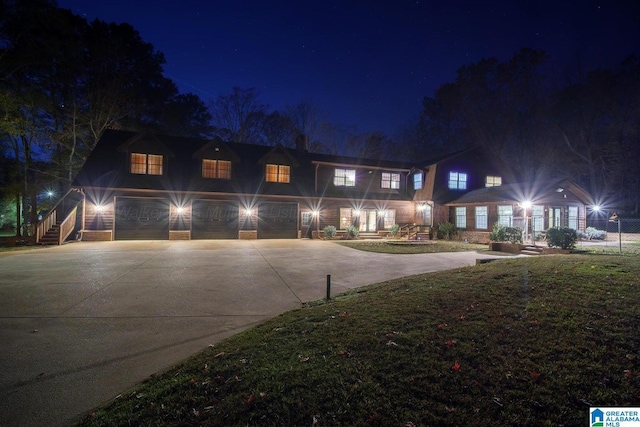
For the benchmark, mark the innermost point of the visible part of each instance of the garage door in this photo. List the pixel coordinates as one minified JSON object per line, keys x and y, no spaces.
{"x":141,"y":218}
{"x":214,"y":220}
{"x":278,"y":221}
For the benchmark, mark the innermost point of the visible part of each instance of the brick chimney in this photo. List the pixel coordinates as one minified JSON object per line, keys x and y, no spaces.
{"x":302,"y":142}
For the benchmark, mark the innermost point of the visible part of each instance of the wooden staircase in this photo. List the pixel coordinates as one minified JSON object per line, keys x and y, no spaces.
{"x":52,"y":236}
{"x":58,"y":224}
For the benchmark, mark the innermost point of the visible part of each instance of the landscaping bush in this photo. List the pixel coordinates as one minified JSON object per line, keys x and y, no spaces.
{"x":500,"y":233}
{"x":394,"y":230}
{"x":352,"y":232}
{"x":446,"y":230}
{"x":593,"y":233}
{"x":562,"y":237}
{"x":329,"y":231}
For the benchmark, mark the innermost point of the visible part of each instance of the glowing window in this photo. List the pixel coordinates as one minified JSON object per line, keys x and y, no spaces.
{"x":344,"y":178}
{"x":389,"y":218}
{"x":482,"y":220}
{"x":417,"y":180}
{"x":278,"y":173}
{"x":146,"y":164}
{"x":461,"y":217}
{"x":493,"y":181}
{"x":457,"y":181}
{"x":390,"y":180}
{"x":505,"y":215}
{"x":220,"y":169}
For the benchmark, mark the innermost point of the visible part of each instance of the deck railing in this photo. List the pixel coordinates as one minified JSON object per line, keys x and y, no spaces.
{"x":67,"y":208}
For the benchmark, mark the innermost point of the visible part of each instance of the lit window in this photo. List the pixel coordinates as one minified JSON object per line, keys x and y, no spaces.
{"x":389,"y":218}
{"x":493,"y":181}
{"x":482,"y":221}
{"x":417,"y":180}
{"x":461,"y":217}
{"x":390,"y":180}
{"x":220,"y":169}
{"x":146,"y":164}
{"x":345,"y":217}
{"x":457,"y":181}
{"x":278,"y":173}
{"x":505,"y":215}
{"x":306,"y":218}
{"x":344,"y":178}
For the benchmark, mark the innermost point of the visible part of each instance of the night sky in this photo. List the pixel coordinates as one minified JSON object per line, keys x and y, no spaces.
{"x":366,"y":64}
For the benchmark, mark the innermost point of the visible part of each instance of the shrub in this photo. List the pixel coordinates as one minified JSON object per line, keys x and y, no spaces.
{"x":446,"y":230}
{"x":593,"y":233}
{"x":394,"y":230}
{"x":352,"y":231}
{"x":562,"y":237}
{"x":329,"y":231}
{"x":500,"y":233}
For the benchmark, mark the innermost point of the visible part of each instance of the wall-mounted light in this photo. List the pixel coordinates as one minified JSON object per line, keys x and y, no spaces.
{"x":100,"y":208}
{"x":526,"y":204}
{"x":357,"y":212}
{"x":248,"y":212}
{"x":315,"y":213}
{"x":381,"y":212}
{"x":179,"y":210}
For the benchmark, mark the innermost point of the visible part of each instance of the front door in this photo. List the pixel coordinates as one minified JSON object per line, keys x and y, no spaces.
{"x":368,"y":221}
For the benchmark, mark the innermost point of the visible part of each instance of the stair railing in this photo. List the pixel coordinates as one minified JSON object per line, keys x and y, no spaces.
{"x":51,"y":217}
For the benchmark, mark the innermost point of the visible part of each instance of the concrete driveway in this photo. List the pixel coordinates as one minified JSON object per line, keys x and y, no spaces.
{"x":83,"y":322}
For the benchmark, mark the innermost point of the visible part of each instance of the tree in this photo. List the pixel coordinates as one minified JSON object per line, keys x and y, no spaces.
{"x":239,"y":116}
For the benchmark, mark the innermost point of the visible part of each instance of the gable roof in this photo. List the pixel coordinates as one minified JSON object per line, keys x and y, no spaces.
{"x":541,"y":191}
{"x":107,"y":166}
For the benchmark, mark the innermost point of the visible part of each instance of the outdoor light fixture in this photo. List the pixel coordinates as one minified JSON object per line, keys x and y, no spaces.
{"x":421,"y":207}
{"x":99,"y":208}
{"x":315,"y":213}
{"x":357,"y":212}
{"x":526,"y":204}
{"x":596,"y":208}
{"x":248,"y":212}
{"x":179,"y":210}
{"x":50,"y":193}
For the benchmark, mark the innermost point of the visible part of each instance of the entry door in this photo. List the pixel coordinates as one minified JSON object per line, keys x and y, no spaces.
{"x":368,"y":221}
{"x":555,"y":217}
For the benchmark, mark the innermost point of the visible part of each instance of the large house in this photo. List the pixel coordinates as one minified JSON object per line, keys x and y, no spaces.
{"x":149,"y":186}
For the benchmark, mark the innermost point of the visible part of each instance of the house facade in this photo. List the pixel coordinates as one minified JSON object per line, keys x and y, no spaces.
{"x":147,"y":186}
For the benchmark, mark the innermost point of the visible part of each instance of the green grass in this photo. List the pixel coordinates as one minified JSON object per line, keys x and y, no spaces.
{"x":523,"y":342}
{"x":405,"y":247}
{"x":612,"y":248}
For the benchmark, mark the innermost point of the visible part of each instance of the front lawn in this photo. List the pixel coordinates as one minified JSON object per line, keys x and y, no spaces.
{"x":412,"y":247}
{"x":520,"y":342}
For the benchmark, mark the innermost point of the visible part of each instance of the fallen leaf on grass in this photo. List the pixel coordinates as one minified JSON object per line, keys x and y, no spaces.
{"x":535,"y":375}
{"x":456,"y":366}
{"x":251,"y":399}
{"x":390,"y":343}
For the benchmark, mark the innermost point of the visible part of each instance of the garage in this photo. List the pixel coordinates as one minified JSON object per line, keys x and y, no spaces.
{"x":141,"y":218}
{"x":214,"y":220}
{"x":278,"y":221}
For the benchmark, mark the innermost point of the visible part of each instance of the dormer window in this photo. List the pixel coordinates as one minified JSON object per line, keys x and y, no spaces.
{"x":219,"y":169}
{"x":146,"y":164}
{"x":278,"y":173}
{"x":344,"y":178}
{"x":493,"y":181}
{"x":417,"y":181}
{"x":390,"y":180}
{"x":457,"y":181}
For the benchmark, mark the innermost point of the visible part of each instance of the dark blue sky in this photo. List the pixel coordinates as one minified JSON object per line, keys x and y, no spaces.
{"x":366,"y":64}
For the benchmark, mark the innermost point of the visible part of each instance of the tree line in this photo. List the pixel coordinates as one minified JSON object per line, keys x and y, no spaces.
{"x":64,"y":80}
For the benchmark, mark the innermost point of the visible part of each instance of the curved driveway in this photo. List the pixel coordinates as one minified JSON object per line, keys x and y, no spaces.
{"x":83,"y":322}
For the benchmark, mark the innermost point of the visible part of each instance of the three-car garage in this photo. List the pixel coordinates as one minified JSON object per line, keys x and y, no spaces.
{"x":150,"y":218}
